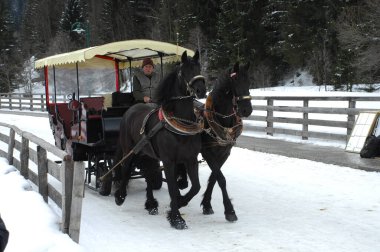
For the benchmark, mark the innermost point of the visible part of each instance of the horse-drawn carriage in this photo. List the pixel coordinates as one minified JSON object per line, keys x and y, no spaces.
{"x":92,"y":127}
{"x":84,"y":99}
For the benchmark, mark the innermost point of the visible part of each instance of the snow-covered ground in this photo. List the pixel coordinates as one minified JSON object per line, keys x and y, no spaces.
{"x":283,"y":204}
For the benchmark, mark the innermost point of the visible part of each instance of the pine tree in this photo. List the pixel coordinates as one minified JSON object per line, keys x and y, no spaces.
{"x":8,"y":48}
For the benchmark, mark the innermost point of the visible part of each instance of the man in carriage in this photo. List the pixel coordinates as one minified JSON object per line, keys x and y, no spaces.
{"x":145,"y":82}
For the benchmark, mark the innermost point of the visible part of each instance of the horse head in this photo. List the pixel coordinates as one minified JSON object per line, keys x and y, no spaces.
{"x":189,"y":74}
{"x":240,"y":89}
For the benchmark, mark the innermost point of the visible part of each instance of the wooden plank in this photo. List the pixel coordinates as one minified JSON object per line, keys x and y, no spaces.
{"x":24,"y":157}
{"x":47,"y":146}
{"x":76,"y":203}
{"x":55,"y":195}
{"x":4,"y":138}
{"x":42,"y":173}
{"x":54,"y":169}
{"x":269,"y":114}
{"x":3,"y":154}
{"x":67,"y":172}
{"x":11,"y":146}
{"x":326,"y":123}
{"x":318,"y":98}
{"x":305,"y":124}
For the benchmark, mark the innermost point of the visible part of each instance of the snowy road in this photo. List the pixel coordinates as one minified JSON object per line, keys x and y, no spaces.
{"x":283,"y":204}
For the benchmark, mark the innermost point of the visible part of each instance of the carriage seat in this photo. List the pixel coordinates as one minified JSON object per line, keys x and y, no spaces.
{"x":111,"y":119}
{"x":93,"y":106}
{"x":120,"y":99}
{"x":63,"y":116}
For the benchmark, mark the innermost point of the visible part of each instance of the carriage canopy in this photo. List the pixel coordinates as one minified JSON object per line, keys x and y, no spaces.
{"x":128,"y":53}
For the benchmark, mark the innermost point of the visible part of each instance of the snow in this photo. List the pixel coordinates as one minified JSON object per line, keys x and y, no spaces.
{"x":283,"y":204}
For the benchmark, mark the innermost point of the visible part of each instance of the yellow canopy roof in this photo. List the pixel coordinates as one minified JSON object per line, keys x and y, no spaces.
{"x":134,"y":50}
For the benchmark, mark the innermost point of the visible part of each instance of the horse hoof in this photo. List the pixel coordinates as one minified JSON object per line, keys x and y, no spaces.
{"x":105,"y":189}
{"x":231,"y":217}
{"x":208,"y":211}
{"x":176,"y":221}
{"x":119,"y":200}
{"x":153,"y":211}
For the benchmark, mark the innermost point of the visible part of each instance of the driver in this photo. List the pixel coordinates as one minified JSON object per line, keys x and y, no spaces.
{"x":145,"y":82}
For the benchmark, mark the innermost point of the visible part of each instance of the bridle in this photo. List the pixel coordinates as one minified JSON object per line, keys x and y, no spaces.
{"x":189,"y":84}
{"x":236,"y":99}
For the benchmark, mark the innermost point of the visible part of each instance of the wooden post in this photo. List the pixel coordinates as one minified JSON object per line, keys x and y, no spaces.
{"x":76,"y":202}
{"x":11,"y":146}
{"x":269,"y":115}
{"x":19,"y":101}
{"x":42,"y":164}
{"x":305,"y":125}
{"x":350,"y":118}
{"x":10,"y":101}
{"x":24,"y":157}
{"x":67,"y":185}
{"x":42,"y":103}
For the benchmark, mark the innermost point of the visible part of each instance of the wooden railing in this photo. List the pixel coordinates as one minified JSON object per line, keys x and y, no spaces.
{"x":52,"y":170}
{"x":268,"y":115}
{"x":310,"y":111}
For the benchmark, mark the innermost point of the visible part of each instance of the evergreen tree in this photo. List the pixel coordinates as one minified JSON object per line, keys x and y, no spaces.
{"x":8,"y":48}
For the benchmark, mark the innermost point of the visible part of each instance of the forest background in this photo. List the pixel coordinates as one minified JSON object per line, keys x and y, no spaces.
{"x":337,"y":42}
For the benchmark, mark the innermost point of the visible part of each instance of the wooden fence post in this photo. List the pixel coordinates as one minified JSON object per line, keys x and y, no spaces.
{"x":19,"y":102}
{"x":42,"y":103}
{"x":305,"y":126}
{"x":269,"y":115}
{"x":42,"y":164}
{"x":24,"y":157}
{"x":76,"y":202}
{"x":67,"y":170}
{"x":11,"y":146}
{"x":10,"y":101}
{"x":350,"y":118}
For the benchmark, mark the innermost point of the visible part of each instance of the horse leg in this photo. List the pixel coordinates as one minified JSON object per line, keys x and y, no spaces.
{"x":121,"y":193}
{"x":150,"y":167}
{"x":174,"y":216}
{"x":229,"y":211}
{"x":182,"y":176}
{"x":206,"y":202}
{"x":192,"y":168}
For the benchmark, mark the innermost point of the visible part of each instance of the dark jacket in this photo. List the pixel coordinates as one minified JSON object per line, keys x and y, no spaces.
{"x":4,"y":235}
{"x":145,"y":86}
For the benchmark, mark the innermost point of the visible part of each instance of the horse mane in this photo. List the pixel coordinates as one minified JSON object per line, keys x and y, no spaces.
{"x":166,"y":88}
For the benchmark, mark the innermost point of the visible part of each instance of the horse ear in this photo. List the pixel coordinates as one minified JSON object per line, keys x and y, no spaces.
{"x":196,"y":56}
{"x":184,"y":57}
{"x":236,"y":67}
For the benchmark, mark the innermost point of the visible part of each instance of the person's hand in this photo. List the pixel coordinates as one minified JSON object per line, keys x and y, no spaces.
{"x":146,"y":99}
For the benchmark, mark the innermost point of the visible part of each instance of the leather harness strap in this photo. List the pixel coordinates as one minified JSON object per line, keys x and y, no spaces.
{"x":223,"y":135}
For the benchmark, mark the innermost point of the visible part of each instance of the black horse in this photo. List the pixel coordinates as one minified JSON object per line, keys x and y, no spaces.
{"x":226,"y":103}
{"x":173,"y":133}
